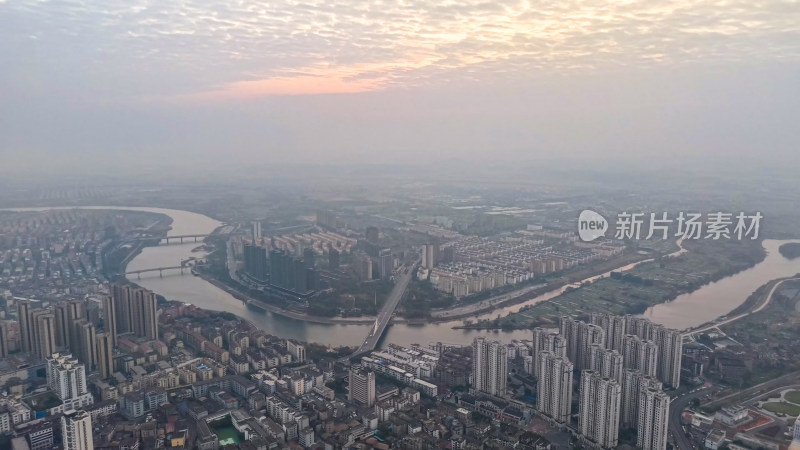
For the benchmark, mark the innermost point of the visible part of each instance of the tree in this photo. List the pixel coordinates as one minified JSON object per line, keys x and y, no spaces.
{"x":384,"y":430}
{"x":337,"y":385}
{"x":479,"y":417}
{"x":13,"y":381}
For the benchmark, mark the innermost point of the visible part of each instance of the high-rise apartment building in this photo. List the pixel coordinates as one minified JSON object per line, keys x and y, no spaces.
{"x":296,"y":349}
{"x":599,"y":405}
{"x":144,"y":310}
{"x":76,"y":311}
{"x":362,"y":386}
{"x":639,"y":326}
{"x":43,"y":329}
{"x":295,"y":274}
{"x":608,"y":363}
{"x":63,"y":325}
{"x":104,"y":351}
{"x":76,"y":431}
{"x":653,"y":424}
{"x":554,"y":397}
{"x":110,"y":318}
{"x":430,"y":255}
{"x":3,"y":339}
{"x":670,"y":352}
{"x":328,"y":219}
{"x":640,"y":354}
{"x":538,"y":346}
{"x":333,"y":259}
{"x":123,"y":299}
{"x":67,"y":378}
{"x":580,"y":337}
{"x":363,"y":266}
{"x":589,"y":335}
{"x":795,"y":436}
{"x":489,"y":366}
{"x":310,"y":257}
{"x":545,"y":340}
{"x":385,"y":263}
{"x":25,"y":328}
{"x":644,"y":345}
{"x":568,"y":327}
{"x":256,"y":231}
{"x":255,"y":261}
{"x":614,"y":327}
{"x":85,"y":347}
{"x":557,"y":344}
{"x":633,"y":384}
{"x":670,"y":348}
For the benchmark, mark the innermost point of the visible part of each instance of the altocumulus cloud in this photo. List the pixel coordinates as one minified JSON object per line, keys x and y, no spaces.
{"x":218,"y":50}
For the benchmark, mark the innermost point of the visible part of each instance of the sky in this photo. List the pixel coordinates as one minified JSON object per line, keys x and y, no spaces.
{"x":86,"y":85}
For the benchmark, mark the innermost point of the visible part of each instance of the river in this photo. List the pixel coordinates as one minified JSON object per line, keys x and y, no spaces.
{"x":723,"y":296}
{"x":688,"y":310}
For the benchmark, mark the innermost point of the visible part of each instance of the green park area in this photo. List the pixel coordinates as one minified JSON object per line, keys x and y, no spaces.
{"x":793,"y":397}
{"x":789,"y":409}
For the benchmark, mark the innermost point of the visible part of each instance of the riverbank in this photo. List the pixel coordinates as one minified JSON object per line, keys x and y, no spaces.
{"x":487,"y":306}
{"x":502,"y":301}
{"x":637,"y":291}
{"x":536,"y":292}
{"x":721,"y":297}
{"x":112,"y":271}
{"x":755,"y":303}
{"x":245,"y":299}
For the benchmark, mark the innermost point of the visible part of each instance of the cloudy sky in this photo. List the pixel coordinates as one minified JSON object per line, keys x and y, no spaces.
{"x":397,"y":80}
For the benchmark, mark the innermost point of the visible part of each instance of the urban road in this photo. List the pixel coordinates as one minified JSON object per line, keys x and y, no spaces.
{"x":386,"y":313}
{"x":676,"y":408}
{"x":679,"y":404}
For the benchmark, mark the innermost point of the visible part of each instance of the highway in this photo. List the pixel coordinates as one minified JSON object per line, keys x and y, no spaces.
{"x":386,"y":313}
{"x":679,"y":404}
{"x":788,"y":379}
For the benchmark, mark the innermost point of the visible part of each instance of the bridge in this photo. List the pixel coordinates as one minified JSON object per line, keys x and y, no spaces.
{"x":185,"y":264}
{"x":160,"y":271}
{"x":385,"y":314}
{"x":166,"y":239}
{"x":179,"y":239}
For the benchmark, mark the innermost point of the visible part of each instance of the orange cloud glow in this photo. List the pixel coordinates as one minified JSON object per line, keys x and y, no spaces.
{"x":320,"y":80}
{"x":298,"y":85}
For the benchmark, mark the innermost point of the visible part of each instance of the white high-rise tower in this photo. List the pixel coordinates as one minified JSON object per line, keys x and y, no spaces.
{"x":653,"y":420}
{"x":599,"y":405}
{"x":67,"y":377}
{"x":555,"y":387}
{"x":76,"y":431}
{"x":489,"y":366}
{"x":633,"y":384}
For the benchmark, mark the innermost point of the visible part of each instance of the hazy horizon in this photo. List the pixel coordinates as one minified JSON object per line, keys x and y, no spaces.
{"x":204,"y":85}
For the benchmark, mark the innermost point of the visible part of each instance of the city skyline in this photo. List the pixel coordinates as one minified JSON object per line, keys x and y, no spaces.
{"x":399,"y":224}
